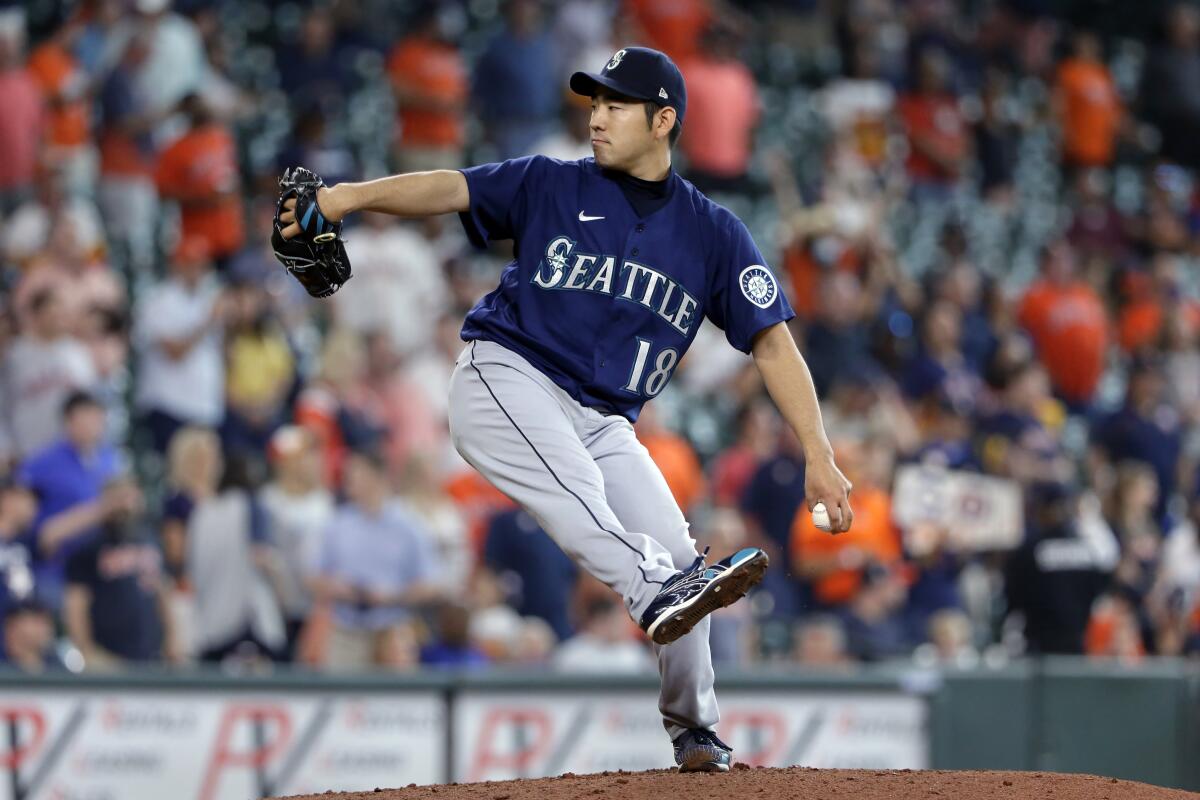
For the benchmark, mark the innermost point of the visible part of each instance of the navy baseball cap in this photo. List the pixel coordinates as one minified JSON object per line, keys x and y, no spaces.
{"x":640,"y":73}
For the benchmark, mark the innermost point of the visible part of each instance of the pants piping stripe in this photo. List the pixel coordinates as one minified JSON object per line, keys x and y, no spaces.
{"x":554,"y":475}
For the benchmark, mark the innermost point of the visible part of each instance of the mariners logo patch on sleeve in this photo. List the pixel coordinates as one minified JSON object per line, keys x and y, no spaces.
{"x":758,"y":285}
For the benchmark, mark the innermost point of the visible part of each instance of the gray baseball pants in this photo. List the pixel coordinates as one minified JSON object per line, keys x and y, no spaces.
{"x":592,"y":486}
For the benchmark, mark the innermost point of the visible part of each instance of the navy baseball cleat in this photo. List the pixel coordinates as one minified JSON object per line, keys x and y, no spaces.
{"x":691,"y":595}
{"x":699,"y":750}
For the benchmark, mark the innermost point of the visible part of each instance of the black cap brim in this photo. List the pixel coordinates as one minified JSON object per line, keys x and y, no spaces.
{"x":585,"y":83}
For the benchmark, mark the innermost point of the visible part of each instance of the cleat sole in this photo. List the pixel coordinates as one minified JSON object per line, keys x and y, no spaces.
{"x":736,"y":582}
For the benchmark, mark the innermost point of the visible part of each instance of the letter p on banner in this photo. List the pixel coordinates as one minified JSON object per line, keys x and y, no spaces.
{"x":267,"y":728}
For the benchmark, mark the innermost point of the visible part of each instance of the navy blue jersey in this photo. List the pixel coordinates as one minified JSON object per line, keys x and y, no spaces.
{"x":603,"y":302}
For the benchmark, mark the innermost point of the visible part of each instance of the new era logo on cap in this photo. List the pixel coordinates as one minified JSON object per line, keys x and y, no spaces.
{"x":662,"y":93}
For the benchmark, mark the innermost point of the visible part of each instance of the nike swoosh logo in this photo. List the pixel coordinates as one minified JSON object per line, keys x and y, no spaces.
{"x":585,"y":218}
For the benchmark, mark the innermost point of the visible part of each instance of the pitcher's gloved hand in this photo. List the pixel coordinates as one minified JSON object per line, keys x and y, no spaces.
{"x":316,"y":256}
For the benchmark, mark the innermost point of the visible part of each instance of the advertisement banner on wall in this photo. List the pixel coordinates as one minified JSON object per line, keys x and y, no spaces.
{"x":153,"y":745}
{"x":502,"y":735}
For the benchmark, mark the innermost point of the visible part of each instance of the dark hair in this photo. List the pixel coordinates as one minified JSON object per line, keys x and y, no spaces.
{"x":651,"y":110}
{"x":29,"y":605}
{"x":373,"y":456}
{"x":243,"y":471}
{"x":79,"y":399}
{"x":40,"y":299}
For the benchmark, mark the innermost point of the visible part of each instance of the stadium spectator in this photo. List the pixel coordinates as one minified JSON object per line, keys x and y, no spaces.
{"x":836,"y":341}
{"x":18,"y":508}
{"x":538,"y":579}
{"x":515,"y":88}
{"x":430,"y":84}
{"x":72,"y":263}
{"x":1021,"y":422}
{"x":1058,"y":572}
{"x":374,"y":566}
{"x":72,"y":480}
{"x":1068,"y":323}
{"x":421,"y":490}
{"x":821,"y":642}
{"x":407,"y":424}
{"x":199,"y":171}
{"x":332,"y":405}
{"x":874,"y":629}
{"x":837,"y":565}
{"x":175,"y":66}
{"x":1131,"y":514}
{"x":211,"y":530}
{"x":1156,"y":295}
{"x":314,"y":144}
{"x":29,"y":638}
{"x":1087,"y":104}
{"x":41,"y":370}
{"x":949,"y":641}
{"x":193,"y":469}
{"x":66,"y":88}
{"x":318,"y":74}
{"x":24,"y":120}
{"x":1145,"y":429}
{"x":586,"y":31}
{"x":769,"y":503}
{"x":675,"y":28}
{"x":947,"y":438}
{"x":997,"y":137}
{"x":674,"y":456}
{"x":1098,"y":231}
{"x":451,"y":647}
{"x":1176,"y":592}
{"x":116,"y":608}
{"x":858,"y":108}
{"x":429,"y":371}
{"x":220,"y":89}
{"x":573,"y":140}
{"x":1113,"y":630}
{"x":936,"y":561}
{"x":260,"y":371}
{"x":938,"y":139}
{"x":758,"y":429}
{"x":127,"y":194}
{"x":1170,"y":92}
{"x":939,"y":368}
{"x":535,"y":642}
{"x":297,"y":507}
{"x":605,"y":643}
{"x":177,"y":335}
{"x":398,"y":284}
{"x":865,"y":403}
{"x":723,"y":111}
{"x":1181,"y":348}
{"x":495,"y":626}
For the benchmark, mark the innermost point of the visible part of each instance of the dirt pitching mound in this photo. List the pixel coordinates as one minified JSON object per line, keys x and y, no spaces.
{"x":793,"y":783}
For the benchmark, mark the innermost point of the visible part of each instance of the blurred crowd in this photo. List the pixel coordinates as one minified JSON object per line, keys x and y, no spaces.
{"x":982,"y":212}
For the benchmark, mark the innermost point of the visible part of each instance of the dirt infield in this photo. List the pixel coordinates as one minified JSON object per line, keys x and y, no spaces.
{"x":794,"y":783}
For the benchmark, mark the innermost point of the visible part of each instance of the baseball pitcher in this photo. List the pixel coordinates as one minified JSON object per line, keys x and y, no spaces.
{"x":618,"y":260}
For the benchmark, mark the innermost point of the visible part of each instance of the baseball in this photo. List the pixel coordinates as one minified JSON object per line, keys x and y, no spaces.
{"x":821,"y":517}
